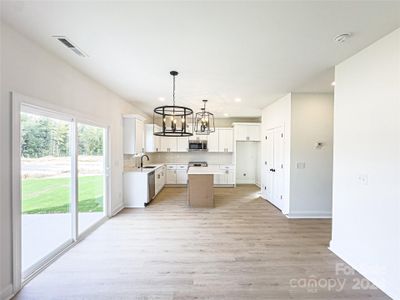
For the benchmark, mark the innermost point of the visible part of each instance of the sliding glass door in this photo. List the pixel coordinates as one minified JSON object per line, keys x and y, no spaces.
{"x":63,"y":183}
{"x":45,"y":187}
{"x":91,"y":175}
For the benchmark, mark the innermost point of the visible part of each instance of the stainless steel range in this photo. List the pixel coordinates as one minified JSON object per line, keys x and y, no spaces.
{"x":197,"y":164}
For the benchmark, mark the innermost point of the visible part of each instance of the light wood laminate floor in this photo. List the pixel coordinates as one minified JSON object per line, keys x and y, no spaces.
{"x":242,"y":249}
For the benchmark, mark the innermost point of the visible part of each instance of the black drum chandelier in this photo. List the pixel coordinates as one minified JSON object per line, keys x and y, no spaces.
{"x":173,"y":120}
{"x":204,"y":121}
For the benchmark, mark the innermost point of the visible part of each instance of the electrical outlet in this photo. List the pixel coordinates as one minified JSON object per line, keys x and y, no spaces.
{"x":362,"y":179}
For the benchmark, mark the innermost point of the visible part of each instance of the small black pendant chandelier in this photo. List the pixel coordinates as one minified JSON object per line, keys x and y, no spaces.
{"x":204,"y":121}
{"x":173,"y":120}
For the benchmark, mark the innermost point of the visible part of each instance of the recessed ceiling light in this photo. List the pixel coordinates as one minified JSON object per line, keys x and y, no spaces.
{"x":333,"y":83}
{"x":226,"y":115}
{"x":238,"y":100}
{"x":341,"y":38}
{"x":162,"y":99}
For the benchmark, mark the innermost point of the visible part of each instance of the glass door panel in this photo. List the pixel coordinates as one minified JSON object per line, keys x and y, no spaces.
{"x":91,"y":175}
{"x":45,"y":188}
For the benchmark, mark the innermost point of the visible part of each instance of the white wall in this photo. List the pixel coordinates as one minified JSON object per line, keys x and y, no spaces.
{"x":311,"y":187}
{"x":307,"y":118}
{"x":31,"y":71}
{"x":366,"y":217}
{"x":246,"y":162}
{"x":278,"y":114}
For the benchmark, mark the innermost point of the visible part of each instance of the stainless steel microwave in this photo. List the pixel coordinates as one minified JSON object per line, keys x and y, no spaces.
{"x":198,"y":145}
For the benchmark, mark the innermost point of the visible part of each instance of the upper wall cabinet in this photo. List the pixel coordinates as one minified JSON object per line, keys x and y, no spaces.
{"x":152,"y":142}
{"x":168,"y":144}
{"x":182,"y":144}
{"x":247,"y":131}
{"x":221,"y":140}
{"x":225,"y":139}
{"x":213,"y":141}
{"x":133,"y":127}
{"x":198,"y":137}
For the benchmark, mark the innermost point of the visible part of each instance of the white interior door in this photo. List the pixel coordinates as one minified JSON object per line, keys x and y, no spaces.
{"x":269,"y":165}
{"x":278,"y":168}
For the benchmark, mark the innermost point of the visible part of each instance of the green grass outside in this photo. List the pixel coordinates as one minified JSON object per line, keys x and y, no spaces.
{"x":52,"y":195}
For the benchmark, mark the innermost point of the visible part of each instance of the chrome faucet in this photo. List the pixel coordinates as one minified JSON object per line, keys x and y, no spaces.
{"x":141,"y":159}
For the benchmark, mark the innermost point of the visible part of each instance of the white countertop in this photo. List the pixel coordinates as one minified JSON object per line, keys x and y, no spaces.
{"x":210,"y":170}
{"x":144,"y":171}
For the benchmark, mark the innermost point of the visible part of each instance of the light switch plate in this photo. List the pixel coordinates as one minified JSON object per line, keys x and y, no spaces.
{"x":301,"y":165}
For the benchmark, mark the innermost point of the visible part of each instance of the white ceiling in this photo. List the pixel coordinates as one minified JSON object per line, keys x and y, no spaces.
{"x":257,"y":51}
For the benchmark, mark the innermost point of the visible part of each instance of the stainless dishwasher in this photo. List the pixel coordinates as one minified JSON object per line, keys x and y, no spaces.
{"x":151,"y":179}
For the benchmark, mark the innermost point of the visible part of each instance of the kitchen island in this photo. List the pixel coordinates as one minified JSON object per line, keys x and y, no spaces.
{"x":200,"y":191}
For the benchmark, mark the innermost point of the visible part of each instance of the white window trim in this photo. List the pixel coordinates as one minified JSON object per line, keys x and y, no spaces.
{"x":40,"y":107}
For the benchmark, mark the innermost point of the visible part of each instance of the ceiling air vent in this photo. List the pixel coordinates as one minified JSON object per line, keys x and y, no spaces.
{"x":67,"y":43}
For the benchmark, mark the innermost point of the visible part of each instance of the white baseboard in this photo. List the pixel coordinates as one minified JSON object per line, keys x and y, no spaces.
{"x":309,"y":215}
{"x":7,"y":292}
{"x":117,"y":209}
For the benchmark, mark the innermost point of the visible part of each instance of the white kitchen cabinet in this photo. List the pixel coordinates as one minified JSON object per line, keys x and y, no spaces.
{"x":228,"y":178}
{"x":198,"y":137}
{"x":247,"y":132}
{"x":133,"y":134}
{"x":213,"y":141}
{"x":168,"y":144}
{"x":163,"y":175}
{"x":171,"y":176}
{"x":176,"y":174}
{"x":225,"y":139}
{"x":181,"y":176}
{"x":182,"y":144}
{"x":152,"y":142}
{"x":158,"y":180}
{"x":160,"y":176}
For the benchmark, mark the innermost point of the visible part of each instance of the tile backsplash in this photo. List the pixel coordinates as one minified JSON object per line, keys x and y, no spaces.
{"x":179,"y":157}
{"x":185,"y":157}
